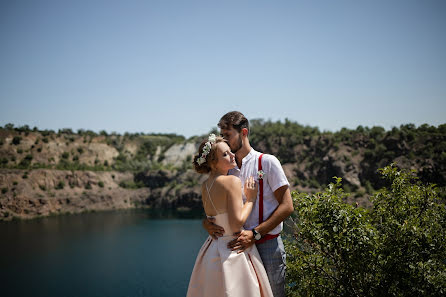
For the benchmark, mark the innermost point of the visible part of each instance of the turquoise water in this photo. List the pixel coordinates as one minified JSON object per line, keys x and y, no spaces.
{"x":122,"y":253}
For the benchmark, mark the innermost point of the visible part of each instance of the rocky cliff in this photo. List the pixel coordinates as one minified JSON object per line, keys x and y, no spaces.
{"x":46,"y":173}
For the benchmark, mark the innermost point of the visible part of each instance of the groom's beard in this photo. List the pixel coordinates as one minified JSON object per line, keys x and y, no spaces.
{"x":239,"y":145}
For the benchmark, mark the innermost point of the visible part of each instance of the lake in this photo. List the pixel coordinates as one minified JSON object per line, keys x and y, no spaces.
{"x":105,"y":254}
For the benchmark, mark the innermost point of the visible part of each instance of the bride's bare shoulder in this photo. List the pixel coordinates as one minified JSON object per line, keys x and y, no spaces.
{"x":230,"y":181}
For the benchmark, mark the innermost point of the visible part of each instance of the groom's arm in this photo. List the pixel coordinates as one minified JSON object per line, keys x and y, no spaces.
{"x":246,"y":238}
{"x":283,"y":210}
{"x":278,"y":182}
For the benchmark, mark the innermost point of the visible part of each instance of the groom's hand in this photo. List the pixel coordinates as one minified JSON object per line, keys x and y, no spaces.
{"x":244,"y":240}
{"x":213,"y":230}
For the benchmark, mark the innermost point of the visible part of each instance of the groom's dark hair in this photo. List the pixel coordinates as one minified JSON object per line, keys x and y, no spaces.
{"x":234,"y":119}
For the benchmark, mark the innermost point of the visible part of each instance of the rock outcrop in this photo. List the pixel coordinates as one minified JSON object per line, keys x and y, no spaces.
{"x":45,"y":173}
{"x":45,"y":192}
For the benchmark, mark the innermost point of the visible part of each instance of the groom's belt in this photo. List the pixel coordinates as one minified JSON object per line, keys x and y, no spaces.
{"x":267,"y":237}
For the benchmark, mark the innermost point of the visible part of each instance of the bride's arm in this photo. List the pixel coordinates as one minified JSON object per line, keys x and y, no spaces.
{"x":237,"y":211}
{"x":251,"y":196}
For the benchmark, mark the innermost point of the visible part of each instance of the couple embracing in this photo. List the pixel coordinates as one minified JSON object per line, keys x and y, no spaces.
{"x":246,"y":199}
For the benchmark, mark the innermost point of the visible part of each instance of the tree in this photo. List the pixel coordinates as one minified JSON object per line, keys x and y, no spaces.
{"x":16,"y":140}
{"x":410,"y":218}
{"x":9,"y":126}
{"x":397,"y":248}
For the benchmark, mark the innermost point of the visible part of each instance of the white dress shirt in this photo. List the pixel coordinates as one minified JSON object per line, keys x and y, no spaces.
{"x":273,"y":178}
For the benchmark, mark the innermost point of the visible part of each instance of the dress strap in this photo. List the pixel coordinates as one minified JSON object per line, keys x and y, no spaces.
{"x":209,"y":194}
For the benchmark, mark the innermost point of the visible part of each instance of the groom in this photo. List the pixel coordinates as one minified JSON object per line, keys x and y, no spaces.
{"x":265,"y":222}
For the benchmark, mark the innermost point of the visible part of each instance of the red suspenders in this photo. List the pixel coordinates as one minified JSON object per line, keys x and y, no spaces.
{"x":261,"y":175}
{"x":260,"y":192}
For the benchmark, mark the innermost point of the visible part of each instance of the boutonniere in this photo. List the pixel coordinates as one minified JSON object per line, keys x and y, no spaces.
{"x":260,"y":174}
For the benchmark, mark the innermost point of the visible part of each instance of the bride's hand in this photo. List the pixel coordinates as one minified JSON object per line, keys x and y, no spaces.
{"x":251,"y":189}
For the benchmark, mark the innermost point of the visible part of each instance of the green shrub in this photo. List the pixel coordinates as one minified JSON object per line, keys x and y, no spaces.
{"x":16,"y":140}
{"x":60,"y":185}
{"x":410,"y":218}
{"x":331,"y":243}
{"x":347,"y":188}
{"x":101,"y":184}
{"x":26,"y":162}
{"x":313,"y":183}
{"x":368,"y":187}
{"x":4,"y":190}
{"x":65,"y":131}
{"x":360,"y":193}
{"x":395,"y":249}
{"x":130,"y":184}
{"x":65,"y":155}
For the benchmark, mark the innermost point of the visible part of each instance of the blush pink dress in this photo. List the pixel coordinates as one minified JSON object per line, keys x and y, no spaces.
{"x":218,"y":271}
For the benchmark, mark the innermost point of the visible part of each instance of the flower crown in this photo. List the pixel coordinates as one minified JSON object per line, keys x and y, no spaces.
{"x":206,"y":149}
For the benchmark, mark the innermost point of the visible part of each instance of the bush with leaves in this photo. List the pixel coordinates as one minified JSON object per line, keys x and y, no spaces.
{"x":397,"y":248}
{"x":411,"y":220}
{"x":16,"y":140}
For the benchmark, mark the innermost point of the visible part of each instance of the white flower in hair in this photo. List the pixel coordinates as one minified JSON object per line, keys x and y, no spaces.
{"x":212,"y":138}
{"x":207,"y":148}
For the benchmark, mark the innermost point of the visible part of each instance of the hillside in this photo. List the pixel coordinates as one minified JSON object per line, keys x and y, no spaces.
{"x":46,"y":172}
{"x":312,"y":157}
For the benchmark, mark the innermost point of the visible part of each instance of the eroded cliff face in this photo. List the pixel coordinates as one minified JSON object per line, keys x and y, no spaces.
{"x":50,"y":150}
{"x":32,"y":183}
{"x":43,"y":192}
{"x":45,"y":173}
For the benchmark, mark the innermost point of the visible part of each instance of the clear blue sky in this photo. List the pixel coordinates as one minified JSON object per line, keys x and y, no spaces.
{"x":177,"y":66}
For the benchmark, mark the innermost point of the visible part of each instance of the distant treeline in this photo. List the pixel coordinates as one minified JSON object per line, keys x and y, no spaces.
{"x":83,"y":132}
{"x":314,"y":156}
{"x":422,"y":148}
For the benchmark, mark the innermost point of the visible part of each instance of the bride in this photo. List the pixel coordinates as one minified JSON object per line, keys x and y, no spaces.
{"x":218,"y":271}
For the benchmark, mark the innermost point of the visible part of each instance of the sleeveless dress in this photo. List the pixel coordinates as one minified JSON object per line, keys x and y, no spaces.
{"x":218,"y":271}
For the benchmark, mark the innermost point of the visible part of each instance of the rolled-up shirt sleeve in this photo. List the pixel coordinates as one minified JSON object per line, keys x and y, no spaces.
{"x":274,"y":173}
